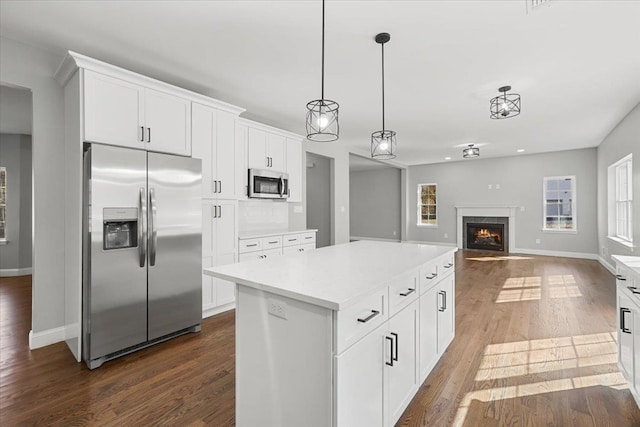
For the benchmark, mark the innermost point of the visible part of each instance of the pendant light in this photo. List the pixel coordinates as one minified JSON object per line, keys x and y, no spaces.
{"x":505,"y":105}
{"x":470,"y":152}
{"x":383,"y":142}
{"x":322,"y":114}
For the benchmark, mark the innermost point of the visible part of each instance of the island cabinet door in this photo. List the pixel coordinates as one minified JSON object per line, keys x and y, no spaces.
{"x":360,"y":381}
{"x":625,"y":319}
{"x":428,"y":327}
{"x":403,"y":369}
{"x":446,"y":313}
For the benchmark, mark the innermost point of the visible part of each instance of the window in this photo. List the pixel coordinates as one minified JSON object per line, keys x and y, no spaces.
{"x":427,"y":206}
{"x":560,"y":203}
{"x":3,"y":204}
{"x":621,"y":200}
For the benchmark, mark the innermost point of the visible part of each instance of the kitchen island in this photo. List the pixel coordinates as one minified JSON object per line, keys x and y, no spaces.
{"x":340,"y":336}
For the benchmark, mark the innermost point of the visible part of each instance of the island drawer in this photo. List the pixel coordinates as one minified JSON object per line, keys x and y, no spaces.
{"x":291,"y":239}
{"x":402,"y":292}
{"x":271,"y":242}
{"x":358,"y":320}
{"x":429,"y":275}
{"x":306,"y":238}
{"x":447,"y":263}
{"x":249,"y":245}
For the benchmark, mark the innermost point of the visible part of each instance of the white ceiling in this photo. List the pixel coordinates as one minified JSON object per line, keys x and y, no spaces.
{"x":575,"y":63}
{"x":15,"y":110}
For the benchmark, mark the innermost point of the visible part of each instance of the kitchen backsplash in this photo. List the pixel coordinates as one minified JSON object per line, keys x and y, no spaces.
{"x":262,"y":215}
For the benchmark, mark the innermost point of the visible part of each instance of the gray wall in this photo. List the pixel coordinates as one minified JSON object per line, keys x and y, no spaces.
{"x":27,"y":67}
{"x":623,"y":140}
{"x":15,"y":155}
{"x":520,"y":179}
{"x":319,"y":197}
{"x":375,"y":203}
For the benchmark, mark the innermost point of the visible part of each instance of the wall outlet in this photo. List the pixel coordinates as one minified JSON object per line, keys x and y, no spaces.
{"x":497,"y":186}
{"x":538,"y":241}
{"x":490,"y":186}
{"x":394,"y":233}
{"x":277,"y":308}
{"x":297,"y":209}
{"x":521,"y":208}
{"x":604,"y":251}
{"x":446,"y":236}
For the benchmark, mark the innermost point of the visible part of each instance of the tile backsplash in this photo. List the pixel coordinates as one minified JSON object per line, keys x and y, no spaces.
{"x":262,"y":215}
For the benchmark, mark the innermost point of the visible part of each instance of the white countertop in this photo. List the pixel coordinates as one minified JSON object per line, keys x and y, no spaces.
{"x":333,"y":277}
{"x":632,"y":262}
{"x":257,"y":234}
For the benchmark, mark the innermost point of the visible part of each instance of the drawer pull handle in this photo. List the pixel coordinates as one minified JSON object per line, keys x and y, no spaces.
{"x":373,"y":314}
{"x":391,"y":352}
{"x":633,"y":289}
{"x":252,"y":245}
{"x":620,"y":277}
{"x":409,"y":291}
{"x":623,"y":327}
{"x":449,"y":265}
{"x":273,"y":243}
{"x":433,"y":276}
{"x":292,"y":240}
{"x":310,"y":237}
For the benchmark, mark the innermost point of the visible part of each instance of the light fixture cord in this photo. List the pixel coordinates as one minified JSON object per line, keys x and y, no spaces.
{"x":322,"y":97}
{"x":382,"y":89}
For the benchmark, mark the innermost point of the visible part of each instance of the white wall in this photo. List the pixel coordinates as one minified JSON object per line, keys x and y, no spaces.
{"x":623,"y":140}
{"x":520,"y":179}
{"x":340,"y":209}
{"x":27,"y":67}
{"x":319,"y":204}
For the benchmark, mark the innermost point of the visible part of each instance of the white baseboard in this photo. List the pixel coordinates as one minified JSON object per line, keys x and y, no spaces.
{"x":10,"y":272}
{"x":377,"y":239}
{"x":564,"y":254}
{"x":606,"y":265}
{"x":422,"y":242}
{"x":212,"y":311}
{"x":45,"y":338}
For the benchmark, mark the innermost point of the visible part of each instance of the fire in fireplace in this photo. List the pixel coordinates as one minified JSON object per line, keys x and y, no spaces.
{"x":485,"y":236}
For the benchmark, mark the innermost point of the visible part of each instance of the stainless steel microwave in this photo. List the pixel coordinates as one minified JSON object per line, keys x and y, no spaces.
{"x":266,"y":184}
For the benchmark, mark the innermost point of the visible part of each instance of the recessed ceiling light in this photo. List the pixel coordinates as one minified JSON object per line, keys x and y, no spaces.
{"x":520,"y":150}
{"x":447,"y":158}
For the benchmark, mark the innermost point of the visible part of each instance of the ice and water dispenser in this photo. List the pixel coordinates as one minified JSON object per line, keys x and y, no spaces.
{"x":120,"y":228}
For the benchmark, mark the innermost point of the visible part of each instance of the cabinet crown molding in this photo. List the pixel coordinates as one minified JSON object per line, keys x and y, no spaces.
{"x":73,"y":61}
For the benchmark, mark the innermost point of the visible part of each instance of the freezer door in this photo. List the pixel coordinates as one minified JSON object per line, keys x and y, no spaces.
{"x":115,"y":288}
{"x":175,"y":243}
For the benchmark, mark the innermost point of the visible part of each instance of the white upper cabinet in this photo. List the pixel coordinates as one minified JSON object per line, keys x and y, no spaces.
{"x":113,"y":111}
{"x":294,"y":169}
{"x":266,"y":150}
{"x":213,"y":141}
{"x":122,"y":113}
{"x":167,"y":122}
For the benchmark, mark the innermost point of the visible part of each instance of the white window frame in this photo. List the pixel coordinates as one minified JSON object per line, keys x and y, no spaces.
{"x":574,"y":204}
{"x":3,"y":205}
{"x":620,"y":185}
{"x":419,"y":205}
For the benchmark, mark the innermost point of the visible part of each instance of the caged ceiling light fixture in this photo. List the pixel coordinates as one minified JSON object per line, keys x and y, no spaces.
{"x":505,"y":105}
{"x":322,"y":114}
{"x":470,"y":152}
{"x":383,"y":142}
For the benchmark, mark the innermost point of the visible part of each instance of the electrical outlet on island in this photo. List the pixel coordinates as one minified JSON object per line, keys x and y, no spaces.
{"x":277,"y":308}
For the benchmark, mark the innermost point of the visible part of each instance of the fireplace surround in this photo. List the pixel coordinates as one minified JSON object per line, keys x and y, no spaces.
{"x":490,"y":214}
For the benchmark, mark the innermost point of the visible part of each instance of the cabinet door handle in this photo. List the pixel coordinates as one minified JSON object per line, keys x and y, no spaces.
{"x":219,"y":186}
{"x":433,"y":276}
{"x":373,"y":314}
{"x":219,"y":211}
{"x":449,"y":265}
{"x":390,"y":339}
{"x":623,"y":327}
{"x":620,"y":277}
{"x":409,"y":291}
{"x":443,"y":306}
{"x":214,"y":212}
{"x":148,"y":134}
{"x":395,"y":345}
{"x":141,"y":133}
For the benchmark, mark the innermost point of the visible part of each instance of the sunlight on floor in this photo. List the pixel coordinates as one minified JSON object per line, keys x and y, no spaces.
{"x":499,"y":258}
{"x":522,"y":358}
{"x":530,"y":288}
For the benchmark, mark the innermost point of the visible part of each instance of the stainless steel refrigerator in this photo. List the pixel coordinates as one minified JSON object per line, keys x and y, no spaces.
{"x":142,"y":259}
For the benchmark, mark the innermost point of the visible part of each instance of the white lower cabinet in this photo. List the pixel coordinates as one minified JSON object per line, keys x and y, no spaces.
{"x":428,"y":330}
{"x":446,"y":314}
{"x":262,"y":247}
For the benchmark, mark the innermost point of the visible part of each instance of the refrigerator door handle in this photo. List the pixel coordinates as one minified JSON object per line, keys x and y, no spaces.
{"x":142,"y":233}
{"x":153,"y":241}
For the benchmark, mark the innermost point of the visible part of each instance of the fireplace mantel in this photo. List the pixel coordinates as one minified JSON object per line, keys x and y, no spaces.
{"x":487,"y":210}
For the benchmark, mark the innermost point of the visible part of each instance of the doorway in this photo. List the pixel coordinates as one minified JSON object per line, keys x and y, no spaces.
{"x":15,"y":182}
{"x":320,"y":198}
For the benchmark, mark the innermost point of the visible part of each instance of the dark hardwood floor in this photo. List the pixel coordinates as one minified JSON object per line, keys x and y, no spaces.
{"x":534,"y":346}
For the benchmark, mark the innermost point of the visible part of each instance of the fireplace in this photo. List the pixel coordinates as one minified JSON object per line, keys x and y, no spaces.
{"x":485,"y":236}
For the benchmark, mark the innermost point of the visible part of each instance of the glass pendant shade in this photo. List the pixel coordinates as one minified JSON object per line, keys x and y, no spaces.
{"x":470,"y":152}
{"x":322,"y":120}
{"x":383,"y":145}
{"x":506,"y":105}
